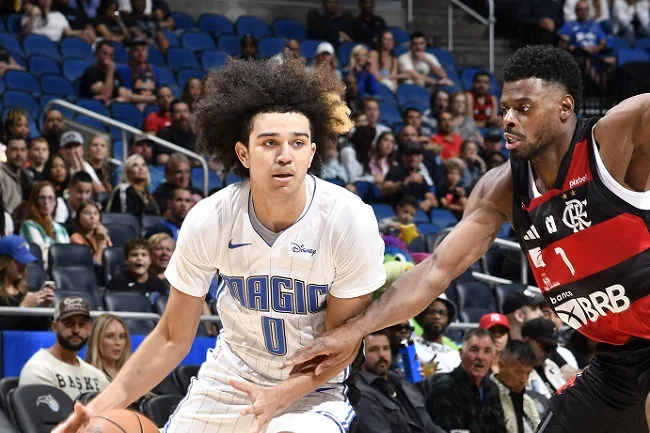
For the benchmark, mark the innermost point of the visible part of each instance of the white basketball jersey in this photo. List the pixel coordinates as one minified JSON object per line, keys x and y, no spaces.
{"x":272,"y":299}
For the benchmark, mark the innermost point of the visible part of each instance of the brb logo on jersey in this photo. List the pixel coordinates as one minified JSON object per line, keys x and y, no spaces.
{"x":577,"y":312}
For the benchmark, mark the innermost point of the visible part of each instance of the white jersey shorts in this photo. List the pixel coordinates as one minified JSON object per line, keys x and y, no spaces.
{"x":213,"y":406}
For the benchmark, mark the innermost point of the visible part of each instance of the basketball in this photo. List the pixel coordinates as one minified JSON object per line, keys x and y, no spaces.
{"x":119,"y":421}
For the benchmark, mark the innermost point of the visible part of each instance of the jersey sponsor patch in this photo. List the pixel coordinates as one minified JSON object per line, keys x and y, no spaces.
{"x":578,"y":312}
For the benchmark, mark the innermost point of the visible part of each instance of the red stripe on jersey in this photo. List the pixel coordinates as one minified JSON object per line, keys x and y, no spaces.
{"x":592,"y":250}
{"x":617,"y":328}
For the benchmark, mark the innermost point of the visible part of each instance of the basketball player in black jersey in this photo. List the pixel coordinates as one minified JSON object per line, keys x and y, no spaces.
{"x":575,"y":193}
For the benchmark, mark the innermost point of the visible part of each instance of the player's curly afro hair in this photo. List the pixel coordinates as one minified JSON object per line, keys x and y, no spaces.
{"x":241,"y":89}
{"x":551,"y":64}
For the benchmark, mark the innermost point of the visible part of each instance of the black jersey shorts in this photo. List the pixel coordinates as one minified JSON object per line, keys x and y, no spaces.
{"x":608,"y":397}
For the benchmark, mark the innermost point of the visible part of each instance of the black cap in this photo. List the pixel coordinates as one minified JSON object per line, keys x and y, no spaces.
{"x":411,"y":148}
{"x":541,"y":330}
{"x":521,"y":298}
{"x":137,"y":41}
{"x":494,"y":134}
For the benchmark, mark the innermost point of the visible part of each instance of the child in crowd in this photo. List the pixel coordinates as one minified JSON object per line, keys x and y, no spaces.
{"x":136,"y":276}
{"x":450,"y":194}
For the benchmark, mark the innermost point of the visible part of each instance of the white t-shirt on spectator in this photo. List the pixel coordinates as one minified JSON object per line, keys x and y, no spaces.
{"x":53,"y":28}
{"x":445,"y":357}
{"x":407,"y":64}
{"x":125,"y":6}
{"x":624,"y":13}
{"x":570,"y":10}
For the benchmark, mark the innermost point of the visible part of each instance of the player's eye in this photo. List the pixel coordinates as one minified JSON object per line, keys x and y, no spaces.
{"x":524,"y":108}
{"x":298,"y":143}
{"x":269,"y":143}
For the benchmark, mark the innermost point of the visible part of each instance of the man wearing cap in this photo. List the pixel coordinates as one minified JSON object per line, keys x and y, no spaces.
{"x":59,"y":366}
{"x":498,"y":326}
{"x":431,"y":347}
{"x":137,"y":72}
{"x":15,"y":183}
{"x":72,"y":152}
{"x":325,"y":55}
{"x":520,"y":306}
{"x":541,"y":335}
{"x":493,"y":143}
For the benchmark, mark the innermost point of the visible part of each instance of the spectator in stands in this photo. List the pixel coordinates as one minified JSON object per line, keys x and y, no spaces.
{"x":356,"y":158}
{"x":161,"y":246}
{"x":100,"y":81}
{"x":382,"y":158}
{"x":499,"y":327}
{"x":471,"y":400}
{"x":371,"y":109}
{"x":72,"y":152}
{"x":191,"y":92}
{"x":53,"y":129}
{"x":439,"y":102}
{"x":582,"y":33}
{"x":404,"y":214}
{"x":360,"y":68}
{"x":539,"y":20}
{"x":521,"y":306}
{"x":546,"y":378}
{"x":16,"y":124}
{"x":59,"y":366}
{"x":39,"y":226}
{"x":124,"y":6}
{"x":77,"y":20}
{"x":598,"y":11}
{"x":433,"y":347}
{"x":248,"y":47}
{"x":291,"y":49}
{"x":519,"y":410}
{"x":388,"y":402}
{"x":177,"y":175}
{"x":87,"y":7}
{"x":493,"y":143}
{"x":90,"y":231}
{"x":7,"y":62}
{"x":14,"y":257}
{"x":412,"y":116}
{"x":352,"y":99}
{"x":14,"y":180}
{"x":333,"y":170}
{"x":109,"y":345}
{"x":366,"y":27}
{"x":142,"y":24}
{"x":109,"y":24}
{"x":40,"y":19}
{"x":179,"y":205}
{"x":413,"y":177}
{"x":406,"y":135}
{"x":136,"y":277}
{"x":142,"y":145}
{"x":37,"y":154}
{"x":330,"y":25}
{"x":179,"y":132}
{"x":582,"y":348}
{"x":451,"y":195}
{"x":474,"y":168}
{"x":446,"y":141}
{"x":419,"y":66}
{"x":97,"y":158}
{"x":326,"y":55}
{"x":56,"y":172}
{"x":494,"y":159}
{"x":630,"y":18}
{"x":157,"y":120}
{"x":383,"y":61}
{"x":480,"y":104}
{"x":81,"y":190}
{"x":132,"y":195}
{"x":163,"y":14}
{"x":463,"y":122}
{"x":396,"y":335}
{"x":138,"y":75}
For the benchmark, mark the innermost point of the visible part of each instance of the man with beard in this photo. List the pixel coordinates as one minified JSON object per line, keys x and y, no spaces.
{"x":388,"y":402}
{"x":433,"y":347}
{"x":53,"y":129}
{"x":59,"y":366}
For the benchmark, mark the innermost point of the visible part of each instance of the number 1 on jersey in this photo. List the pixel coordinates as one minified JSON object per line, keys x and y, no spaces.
{"x":275,"y":338}
{"x":560,"y":252}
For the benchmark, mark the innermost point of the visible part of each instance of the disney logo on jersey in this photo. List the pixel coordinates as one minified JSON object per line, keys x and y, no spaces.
{"x":575,"y":215}
{"x":301,"y":249}
{"x":578,"y":312}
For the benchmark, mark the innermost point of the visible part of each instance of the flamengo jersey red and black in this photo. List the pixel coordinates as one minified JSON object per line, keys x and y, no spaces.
{"x":589,"y":249}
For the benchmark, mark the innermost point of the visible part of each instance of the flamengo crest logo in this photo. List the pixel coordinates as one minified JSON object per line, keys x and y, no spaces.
{"x":575,"y":215}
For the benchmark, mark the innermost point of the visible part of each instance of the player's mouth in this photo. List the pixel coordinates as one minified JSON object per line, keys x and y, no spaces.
{"x":512,"y":141}
{"x":283,"y":177}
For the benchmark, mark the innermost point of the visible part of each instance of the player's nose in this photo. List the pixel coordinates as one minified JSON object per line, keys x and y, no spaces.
{"x":285,"y":155}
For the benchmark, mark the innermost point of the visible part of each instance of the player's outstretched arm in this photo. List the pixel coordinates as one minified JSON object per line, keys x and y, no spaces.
{"x":487,"y":210}
{"x":162,"y":350}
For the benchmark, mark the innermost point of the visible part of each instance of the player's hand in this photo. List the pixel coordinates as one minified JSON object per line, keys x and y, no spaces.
{"x":331,"y":348}
{"x":265,"y":404}
{"x":73,"y":423}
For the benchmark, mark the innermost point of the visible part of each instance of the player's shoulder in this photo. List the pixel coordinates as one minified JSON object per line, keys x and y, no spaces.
{"x":337,"y":197}
{"x":219,"y":206}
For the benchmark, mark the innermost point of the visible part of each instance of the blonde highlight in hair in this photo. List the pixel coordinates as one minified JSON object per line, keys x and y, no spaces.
{"x":93,"y":355}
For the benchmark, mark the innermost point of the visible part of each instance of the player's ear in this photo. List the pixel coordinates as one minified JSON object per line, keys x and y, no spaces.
{"x":313,"y":152}
{"x":242,"y":153}
{"x":567,"y":106}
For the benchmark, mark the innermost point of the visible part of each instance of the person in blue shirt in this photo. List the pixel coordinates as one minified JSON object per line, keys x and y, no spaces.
{"x":583,"y":33}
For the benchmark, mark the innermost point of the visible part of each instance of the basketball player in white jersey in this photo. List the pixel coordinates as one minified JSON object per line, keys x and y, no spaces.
{"x":297,"y":256}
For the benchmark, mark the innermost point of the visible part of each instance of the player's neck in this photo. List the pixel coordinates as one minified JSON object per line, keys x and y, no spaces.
{"x":546,"y":166}
{"x":277,"y":213}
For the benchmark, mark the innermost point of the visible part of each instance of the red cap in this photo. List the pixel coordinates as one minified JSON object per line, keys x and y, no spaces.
{"x":492,"y":319}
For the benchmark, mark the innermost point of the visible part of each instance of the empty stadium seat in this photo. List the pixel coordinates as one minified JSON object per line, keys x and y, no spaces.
{"x":382,"y":211}
{"x":344,"y":53}
{"x":38,"y":408}
{"x":76,"y":48}
{"x":74,"y":68}
{"x":385,"y":94}
{"x":124,"y":111}
{"x":120,"y":234}
{"x":213,"y":180}
{"x":426,"y":228}
{"x":155,"y":57}
{"x":112,"y":258}
{"x":475,"y":294}
{"x":131,"y":301}
{"x":230,"y":44}
{"x":40,"y":65}
{"x":308,"y":48}
{"x":400,"y":35}
{"x":148,"y":221}
{"x":643,"y":43}
{"x":615,"y":43}
{"x":183,"y":20}
{"x":186,"y":74}
{"x":270,"y":46}
{"x":443,"y":218}
{"x":252,"y":25}
{"x":178,"y":58}
{"x":10,"y":42}
{"x":160,"y":303}
{"x":65,"y":255}
{"x":232,"y":178}
{"x":39,"y":44}
{"x":14,"y":23}
{"x":166,"y":387}
{"x":20,"y":99}
{"x":167,"y":77}
{"x":91,"y":122}
{"x":6,"y":424}
{"x":197,"y":42}
{"x":216,"y":25}
{"x":632,"y":55}
{"x":121,"y":218}
{"x":93,"y":301}
{"x":412,"y":92}
{"x":183,"y":375}
{"x":288,"y":28}
{"x":444,"y":56}
{"x":368,"y":191}
{"x":36,"y":276}
{"x":388,"y":114}
{"x":213,"y":59}
{"x":35,"y":249}
{"x":158,"y":408}
{"x":6,"y":385}
{"x":121,"y":55}
{"x":171,"y":38}
{"x":76,"y":278}
{"x":473,"y":315}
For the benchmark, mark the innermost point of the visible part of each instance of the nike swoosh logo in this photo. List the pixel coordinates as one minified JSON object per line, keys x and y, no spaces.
{"x":233,"y":246}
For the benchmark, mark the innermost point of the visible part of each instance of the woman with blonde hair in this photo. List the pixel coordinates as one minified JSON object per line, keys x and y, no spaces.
{"x":360,"y":69}
{"x":97,"y":157}
{"x":132,"y":195}
{"x":109,"y":345}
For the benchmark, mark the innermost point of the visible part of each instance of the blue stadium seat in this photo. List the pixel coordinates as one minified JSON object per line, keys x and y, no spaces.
{"x":232,"y":178}
{"x":385,"y":94}
{"x":289,"y":29}
{"x":473,"y":315}
{"x":213,"y":59}
{"x":155,"y":57}
{"x":216,"y":25}
{"x":270,"y":46}
{"x":308,"y":48}
{"x":632,"y":55}
{"x":93,"y":105}
{"x":123,"y":111}
{"x":443,"y":218}
{"x":121,"y":55}
{"x":14,"y":24}
{"x":427,"y":228}
{"x":40,"y":65}
{"x":196,"y":41}
{"x":615,"y":44}
{"x":47,"y":97}
{"x":73,"y":69}
{"x":412,"y":92}
{"x":10,"y":42}
{"x":34,"y":130}
{"x":344,"y":53}
{"x":382,"y":210}
{"x":57,"y":85}
{"x":475,"y":294}
{"x":187,"y":73}
{"x":213,"y":179}
{"x":167,"y":77}
{"x":183,"y":20}
{"x":178,"y":58}
{"x":90,"y":122}
{"x":444,"y":57}
{"x":420,"y":217}
{"x":252,"y":25}
{"x":171,"y":38}
{"x":117,"y":149}
{"x":20,"y":99}
{"x":368,"y":191}
{"x":230,"y":44}
{"x":643,"y":43}
{"x":388,"y":114}
{"x":3,"y":29}
{"x":76,"y":48}
{"x":418,"y":105}
{"x":400,"y":35}
{"x":400,"y":49}
{"x":39,"y":44}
